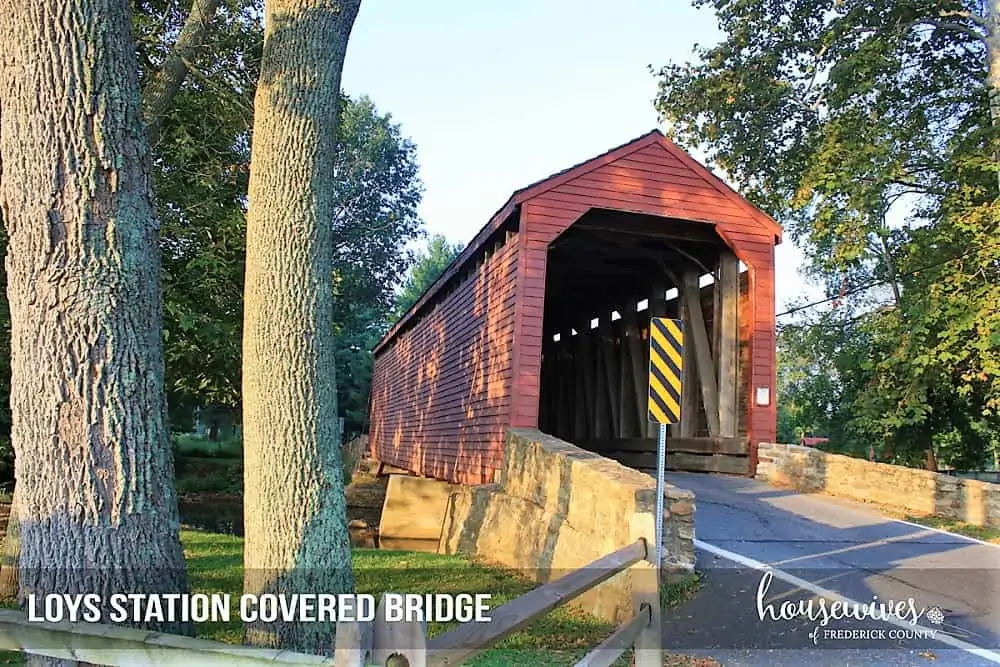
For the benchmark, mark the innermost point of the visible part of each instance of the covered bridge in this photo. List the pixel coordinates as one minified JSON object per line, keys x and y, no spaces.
{"x":542,"y":322}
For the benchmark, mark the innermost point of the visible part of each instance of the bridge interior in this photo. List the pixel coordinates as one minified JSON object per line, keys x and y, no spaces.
{"x":605,"y":277}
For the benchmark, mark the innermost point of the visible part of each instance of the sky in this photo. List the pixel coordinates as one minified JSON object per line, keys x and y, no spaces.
{"x":498,"y":94}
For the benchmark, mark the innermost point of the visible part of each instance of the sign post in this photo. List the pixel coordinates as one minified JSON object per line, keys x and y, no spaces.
{"x":666,"y":344}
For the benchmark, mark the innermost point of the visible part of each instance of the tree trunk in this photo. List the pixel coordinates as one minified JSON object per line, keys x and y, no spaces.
{"x":930,"y":460}
{"x":95,"y":492}
{"x":295,"y":517}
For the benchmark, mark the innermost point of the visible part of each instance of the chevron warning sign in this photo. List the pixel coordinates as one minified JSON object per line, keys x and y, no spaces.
{"x":666,"y":342}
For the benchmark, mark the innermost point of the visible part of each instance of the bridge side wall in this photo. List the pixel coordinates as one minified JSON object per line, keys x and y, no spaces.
{"x":441,"y":390}
{"x":913,"y":491}
{"x":557,"y":508}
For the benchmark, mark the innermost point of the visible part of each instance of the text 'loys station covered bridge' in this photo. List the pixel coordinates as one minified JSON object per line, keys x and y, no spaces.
{"x":542,"y":322}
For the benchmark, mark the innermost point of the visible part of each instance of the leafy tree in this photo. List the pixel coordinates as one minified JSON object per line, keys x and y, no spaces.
{"x":427,"y":268}
{"x":866,"y":128}
{"x":290,"y":420}
{"x":83,"y":286}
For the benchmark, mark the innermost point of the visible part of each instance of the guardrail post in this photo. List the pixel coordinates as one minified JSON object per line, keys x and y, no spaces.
{"x":353,"y":644}
{"x":398,"y":643}
{"x":645,"y":577}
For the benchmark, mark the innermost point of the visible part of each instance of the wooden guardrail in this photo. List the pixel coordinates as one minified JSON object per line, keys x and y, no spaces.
{"x":379,"y":643}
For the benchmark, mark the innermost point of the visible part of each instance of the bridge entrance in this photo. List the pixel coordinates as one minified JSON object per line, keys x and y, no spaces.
{"x":606,"y":275}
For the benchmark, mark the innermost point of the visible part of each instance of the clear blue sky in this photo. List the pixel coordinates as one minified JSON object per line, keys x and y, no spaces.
{"x":499,"y":94}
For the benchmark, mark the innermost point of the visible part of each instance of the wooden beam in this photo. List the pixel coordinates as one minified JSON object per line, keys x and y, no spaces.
{"x":735,"y":446}
{"x":728,"y":291}
{"x":581,"y":409}
{"x":610,"y":357}
{"x":624,"y":388}
{"x":696,"y":335}
{"x":722,"y":463}
{"x":640,"y":368}
{"x":468,"y":640}
{"x":602,"y":416}
{"x":688,"y":428}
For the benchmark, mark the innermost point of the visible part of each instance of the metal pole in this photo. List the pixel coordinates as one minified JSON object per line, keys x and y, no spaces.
{"x":661,"y":464}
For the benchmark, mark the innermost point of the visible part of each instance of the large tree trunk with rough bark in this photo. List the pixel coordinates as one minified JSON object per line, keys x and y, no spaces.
{"x":94,"y":468}
{"x":157,"y":99}
{"x":295,"y":516}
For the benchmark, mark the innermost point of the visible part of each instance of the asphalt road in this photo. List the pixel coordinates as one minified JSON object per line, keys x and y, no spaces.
{"x":818,"y":548}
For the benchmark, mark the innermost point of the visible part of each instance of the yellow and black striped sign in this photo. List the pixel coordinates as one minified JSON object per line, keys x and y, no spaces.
{"x":666,"y":342}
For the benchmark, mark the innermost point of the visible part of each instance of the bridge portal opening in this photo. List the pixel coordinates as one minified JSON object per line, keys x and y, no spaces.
{"x":606,"y":276}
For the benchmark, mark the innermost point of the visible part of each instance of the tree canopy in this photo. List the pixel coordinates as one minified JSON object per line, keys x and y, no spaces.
{"x":427,"y":268}
{"x":866,"y":130}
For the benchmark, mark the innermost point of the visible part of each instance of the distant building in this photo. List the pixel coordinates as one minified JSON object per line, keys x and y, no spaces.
{"x":809,"y":440}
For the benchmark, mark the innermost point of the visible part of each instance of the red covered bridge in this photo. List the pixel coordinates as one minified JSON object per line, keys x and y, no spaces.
{"x":542,"y":321}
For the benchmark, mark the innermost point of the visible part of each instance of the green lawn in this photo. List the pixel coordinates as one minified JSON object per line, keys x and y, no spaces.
{"x":560,"y":638}
{"x":985,"y":533}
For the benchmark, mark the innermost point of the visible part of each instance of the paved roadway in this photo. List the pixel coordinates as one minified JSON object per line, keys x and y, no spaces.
{"x":818,"y":548}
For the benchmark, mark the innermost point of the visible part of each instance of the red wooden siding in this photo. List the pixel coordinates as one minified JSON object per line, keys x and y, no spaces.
{"x":441,"y":389}
{"x":465,"y":362}
{"x":655,"y":178}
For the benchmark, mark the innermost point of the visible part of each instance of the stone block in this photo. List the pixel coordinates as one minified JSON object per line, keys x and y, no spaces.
{"x":413,"y":513}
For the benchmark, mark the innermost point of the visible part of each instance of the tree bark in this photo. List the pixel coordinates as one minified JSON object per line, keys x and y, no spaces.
{"x":295,"y":517}
{"x":95,"y":494}
{"x":164,"y":86}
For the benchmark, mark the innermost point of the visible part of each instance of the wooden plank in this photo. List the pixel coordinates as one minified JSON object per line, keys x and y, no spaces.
{"x":688,"y":426}
{"x":587,"y":363}
{"x":623,"y":445}
{"x":640,"y":381}
{"x":471,"y":639}
{"x":579,"y":379}
{"x":100,"y":644}
{"x":696,"y":335}
{"x":406,"y":638}
{"x":353,"y":643}
{"x":645,"y":580}
{"x":739,"y":446}
{"x":728,"y":327}
{"x":637,"y":460}
{"x":607,"y":652}
{"x":610,"y":379}
{"x":721,"y":463}
{"x":602,"y":416}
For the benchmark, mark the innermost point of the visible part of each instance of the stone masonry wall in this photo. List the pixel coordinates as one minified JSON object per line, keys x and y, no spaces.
{"x":557,"y":508}
{"x":919,"y":492}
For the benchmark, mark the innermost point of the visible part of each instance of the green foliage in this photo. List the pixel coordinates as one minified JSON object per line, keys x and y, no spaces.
{"x":186,"y":444}
{"x":865,"y":129}
{"x":428,"y":267}
{"x":201,"y":171}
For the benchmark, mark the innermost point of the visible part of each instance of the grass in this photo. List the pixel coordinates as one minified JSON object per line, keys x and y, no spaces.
{"x":984,"y":533}
{"x":215,"y":564}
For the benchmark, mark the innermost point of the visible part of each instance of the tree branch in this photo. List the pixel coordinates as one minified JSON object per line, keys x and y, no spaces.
{"x":165,"y":84}
{"x":951,"y":25}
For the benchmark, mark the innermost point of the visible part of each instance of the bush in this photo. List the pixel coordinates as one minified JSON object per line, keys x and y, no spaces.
{"x":188,"y":444}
